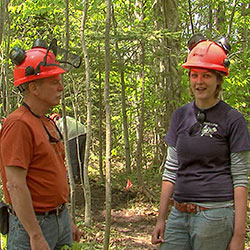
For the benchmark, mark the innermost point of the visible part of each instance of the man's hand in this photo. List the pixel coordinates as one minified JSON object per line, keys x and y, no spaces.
{"x":39,"y":243}
{"x":76,"y":233}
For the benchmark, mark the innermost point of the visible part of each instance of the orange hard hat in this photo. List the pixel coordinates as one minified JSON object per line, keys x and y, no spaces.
{"x":32,"y":68}
{"x":36,"y":63}
{"x":208,"y":54}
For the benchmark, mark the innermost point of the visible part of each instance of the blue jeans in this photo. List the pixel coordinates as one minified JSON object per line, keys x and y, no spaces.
{"x":206,"y":230}
{"x":56,"y":230}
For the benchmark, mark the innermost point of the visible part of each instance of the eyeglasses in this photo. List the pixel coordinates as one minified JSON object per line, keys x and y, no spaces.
{"x":201,"y":118}
{"x":51,"y":138}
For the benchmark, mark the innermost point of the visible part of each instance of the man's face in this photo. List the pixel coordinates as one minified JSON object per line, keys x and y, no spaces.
{"x":49,"y":91}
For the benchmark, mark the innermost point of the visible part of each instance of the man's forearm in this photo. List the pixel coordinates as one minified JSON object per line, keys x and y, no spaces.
{"x":21,"y":200}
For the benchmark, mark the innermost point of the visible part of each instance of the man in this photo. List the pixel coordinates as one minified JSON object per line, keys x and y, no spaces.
{"x":76,"y":132}
{"x":32,"y":157}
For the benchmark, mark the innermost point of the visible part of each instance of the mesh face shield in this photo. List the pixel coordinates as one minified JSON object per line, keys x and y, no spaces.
{"x":66,"y":59}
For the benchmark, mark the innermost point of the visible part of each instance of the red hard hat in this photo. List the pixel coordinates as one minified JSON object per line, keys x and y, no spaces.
{"x":209,"y":55}
{"x":32,"y":59}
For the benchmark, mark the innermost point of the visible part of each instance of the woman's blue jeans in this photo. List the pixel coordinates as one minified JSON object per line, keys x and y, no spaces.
{"x":206,"y":230}
{"x":56,"y":230}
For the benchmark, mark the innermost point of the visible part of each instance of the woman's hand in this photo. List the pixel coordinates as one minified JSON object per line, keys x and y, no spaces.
{"x":158,"y":233}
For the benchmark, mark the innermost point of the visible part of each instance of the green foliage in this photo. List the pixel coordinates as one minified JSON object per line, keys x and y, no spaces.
{"x":33,"y":19}
{"x":76,"y":246}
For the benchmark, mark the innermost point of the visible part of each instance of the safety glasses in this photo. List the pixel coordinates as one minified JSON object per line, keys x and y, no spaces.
{"x":201,"y":118}
{"x":51,"y":138}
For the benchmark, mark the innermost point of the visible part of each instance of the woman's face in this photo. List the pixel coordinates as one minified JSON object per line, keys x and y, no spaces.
{"x":203,"y":84}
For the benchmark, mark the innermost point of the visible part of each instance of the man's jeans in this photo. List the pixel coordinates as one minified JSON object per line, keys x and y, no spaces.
{"x":56,"y":230}
{"x":206,"y":230}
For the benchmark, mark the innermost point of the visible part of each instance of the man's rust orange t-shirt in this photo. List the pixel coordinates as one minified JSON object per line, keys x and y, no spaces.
{"x":25,"y":143}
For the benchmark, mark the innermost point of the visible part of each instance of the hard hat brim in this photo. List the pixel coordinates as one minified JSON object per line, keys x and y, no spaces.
{"x":55,"y":71}
{"x":205,"y":66}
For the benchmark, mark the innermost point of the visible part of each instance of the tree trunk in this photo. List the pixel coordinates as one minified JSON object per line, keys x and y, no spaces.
{"x":123,"y":101}
{"x":65,"y":131}
{"x":140,"y":128}
{"x":87,"y":191}
{"x":220,"y":18}
{"x":125,"y":125}
{"x":67,"y":156}
{"x":170,"y":73}
{"x":4,"y":51}
{"x":231,"y":19}
{"x":245,"y":9}
{"x":190,"y":15}
{"x":108,"y":128}
{"x":2,"y":20}
{"x":141,"y":106}
{"x":100,"y":119}
{"x":168,"y":80}
{"x":210,"y":19}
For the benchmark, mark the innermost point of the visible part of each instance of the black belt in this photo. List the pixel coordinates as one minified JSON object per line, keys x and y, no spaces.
{"x":55,"y":211}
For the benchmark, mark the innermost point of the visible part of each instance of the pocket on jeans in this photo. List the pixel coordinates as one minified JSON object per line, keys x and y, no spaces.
{"x":175,"y":214}
{"x":218,"y":214}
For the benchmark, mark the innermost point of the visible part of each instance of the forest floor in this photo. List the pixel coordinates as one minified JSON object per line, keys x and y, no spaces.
{"x":132,"y":220}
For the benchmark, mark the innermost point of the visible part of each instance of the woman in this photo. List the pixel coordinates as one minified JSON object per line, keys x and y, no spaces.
{"x":206,"y":171}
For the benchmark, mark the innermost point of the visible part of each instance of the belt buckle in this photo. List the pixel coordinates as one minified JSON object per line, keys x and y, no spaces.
{"x":59,"y":209}
{"x":191,"y":208}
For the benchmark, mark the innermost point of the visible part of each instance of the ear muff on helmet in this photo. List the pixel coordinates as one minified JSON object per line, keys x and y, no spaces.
{"x":223,"y":43}
{"x":208,"y":54}
{"x":17,"y":55}
{"x":40,"y":43}
{"x":226,"y":63}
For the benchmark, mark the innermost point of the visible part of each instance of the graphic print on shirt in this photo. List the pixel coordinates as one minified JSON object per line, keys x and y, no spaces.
{"x":208,"y":129}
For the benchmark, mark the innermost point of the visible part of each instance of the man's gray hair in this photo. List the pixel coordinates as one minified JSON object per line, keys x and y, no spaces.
{"x":23,"y":87}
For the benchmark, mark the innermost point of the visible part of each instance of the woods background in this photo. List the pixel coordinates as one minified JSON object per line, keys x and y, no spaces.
{"x":131,"y":78}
